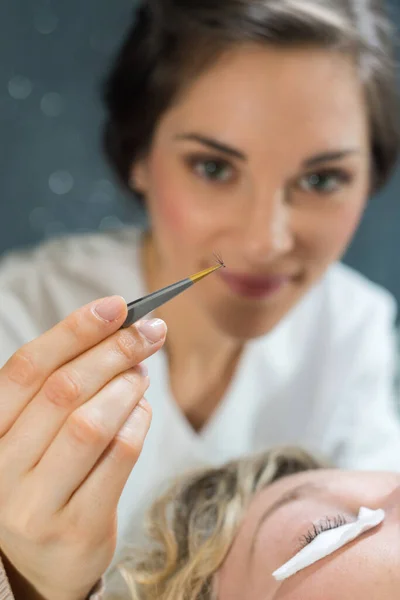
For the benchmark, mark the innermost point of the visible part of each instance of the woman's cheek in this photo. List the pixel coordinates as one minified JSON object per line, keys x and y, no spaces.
{"x":345,"y":226}
{"x":169,"y":214}
{"x":169,"y":206}
{"x":332,"y":235}
{"x":178,"y":212}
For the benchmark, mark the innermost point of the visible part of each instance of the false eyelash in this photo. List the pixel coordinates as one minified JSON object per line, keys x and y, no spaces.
{"x":325,"y":525}
{"x":218,"y":258}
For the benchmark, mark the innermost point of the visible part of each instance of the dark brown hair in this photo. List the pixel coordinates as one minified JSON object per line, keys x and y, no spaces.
{"x":172,"y":41}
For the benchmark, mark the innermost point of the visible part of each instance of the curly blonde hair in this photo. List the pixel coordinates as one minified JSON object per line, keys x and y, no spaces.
{"x":192,"y":527}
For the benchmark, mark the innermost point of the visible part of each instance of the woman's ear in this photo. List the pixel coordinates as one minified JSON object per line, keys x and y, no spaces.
{"x":139,"y":180}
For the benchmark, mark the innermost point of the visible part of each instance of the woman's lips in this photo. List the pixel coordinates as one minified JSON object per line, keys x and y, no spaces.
{"x":254,"y":286}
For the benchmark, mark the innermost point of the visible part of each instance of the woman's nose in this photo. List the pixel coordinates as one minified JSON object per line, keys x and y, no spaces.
{"x":267,"y":229}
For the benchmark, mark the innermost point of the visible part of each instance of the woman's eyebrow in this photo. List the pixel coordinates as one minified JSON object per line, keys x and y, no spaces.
{"x":212,"y":143}
{"x":331,"y":156}
{"x":298,"y":493}
{"x":312,"y":161}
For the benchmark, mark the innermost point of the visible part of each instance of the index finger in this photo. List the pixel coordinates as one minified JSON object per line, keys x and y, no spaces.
{"x":26,"y":371}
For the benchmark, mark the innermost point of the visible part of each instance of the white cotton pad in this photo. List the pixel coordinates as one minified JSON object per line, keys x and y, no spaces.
{"x":328,"y":542}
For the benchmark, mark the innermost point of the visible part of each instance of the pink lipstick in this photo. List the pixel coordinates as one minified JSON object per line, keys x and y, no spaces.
{"x":254,"y":286}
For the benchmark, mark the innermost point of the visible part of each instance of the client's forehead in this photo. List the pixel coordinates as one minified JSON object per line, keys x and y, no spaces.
{"x":357,"y":484}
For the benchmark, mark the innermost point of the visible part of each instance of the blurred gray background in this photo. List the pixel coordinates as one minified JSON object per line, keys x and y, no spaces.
{"x":53,"y":177}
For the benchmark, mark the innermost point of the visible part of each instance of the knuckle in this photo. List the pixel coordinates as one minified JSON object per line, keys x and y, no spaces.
{"x":125,"y":449}
{"x":21,"y":368}
{"x":79,"y":538}
{"x":80,"y":533}
{"x":135,"y":379}
{"x":128,"y":345}
{"x":32,"y":531}
{"x":129,"y":441}
{"x":146,"y":410}
{"x":74,"y":325}
{"x":26,"y":526}
{"x":85,"y":430}
{"x":77,"y":526}
{"x":62,"y":388}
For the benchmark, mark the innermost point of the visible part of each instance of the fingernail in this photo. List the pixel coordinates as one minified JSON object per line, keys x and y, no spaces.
{"x":153,"y":330}
{"x":109,"y":309}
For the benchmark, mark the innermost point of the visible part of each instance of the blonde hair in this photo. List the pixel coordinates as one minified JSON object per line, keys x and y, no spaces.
{"x":192,"y":526}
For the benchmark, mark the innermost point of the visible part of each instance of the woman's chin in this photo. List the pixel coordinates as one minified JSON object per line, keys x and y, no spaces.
{"x":245,"y":325}
{"x":247,"y":319}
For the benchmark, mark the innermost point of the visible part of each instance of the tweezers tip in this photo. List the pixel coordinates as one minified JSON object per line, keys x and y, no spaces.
{"x":219,"y":259}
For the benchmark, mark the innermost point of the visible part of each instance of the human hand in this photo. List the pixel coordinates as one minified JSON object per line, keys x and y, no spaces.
{"x":73,"y":420}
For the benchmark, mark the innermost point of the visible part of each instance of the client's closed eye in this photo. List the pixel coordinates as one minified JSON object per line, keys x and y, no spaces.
{"x":325,"y":524}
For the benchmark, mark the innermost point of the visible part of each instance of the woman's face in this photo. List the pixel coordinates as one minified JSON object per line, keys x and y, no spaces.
{"x":265,"y":160}
{"x":282,"y":514}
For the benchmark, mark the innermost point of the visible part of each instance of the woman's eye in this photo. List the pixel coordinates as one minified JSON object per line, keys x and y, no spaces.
{"x":325,"y":525}
{"x":324,"y":182}
{"x":213,"y":170}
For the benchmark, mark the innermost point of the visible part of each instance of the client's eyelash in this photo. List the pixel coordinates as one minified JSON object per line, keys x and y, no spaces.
{"x":324,"y":525}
